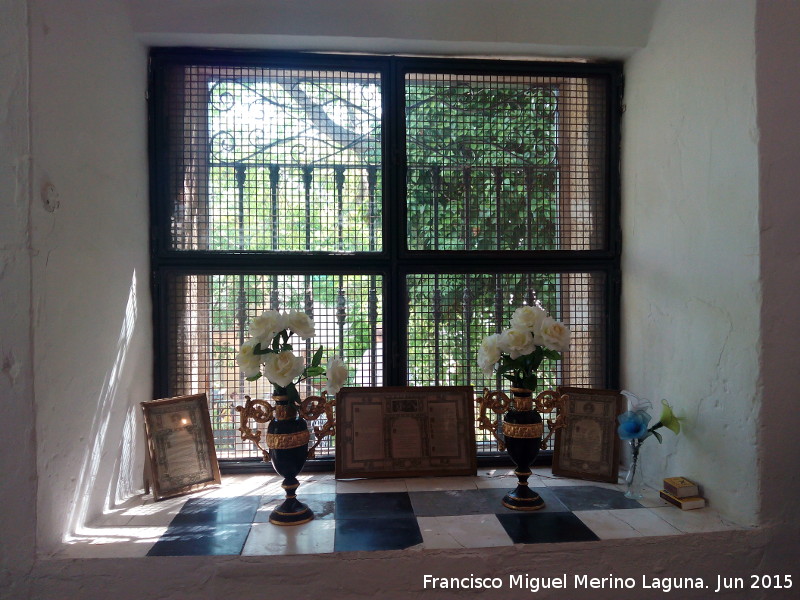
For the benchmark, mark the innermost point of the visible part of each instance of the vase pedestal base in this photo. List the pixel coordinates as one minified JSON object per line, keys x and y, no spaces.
{"x":523,"y":497}
{"x":291,"y":512}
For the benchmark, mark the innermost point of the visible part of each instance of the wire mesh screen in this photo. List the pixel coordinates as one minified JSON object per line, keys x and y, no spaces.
{"x":450,"y":314}
{"x":289,"y":157}
{"x":505,"y":163}
{"x":275,"y":159}
{"x":209,"y":315}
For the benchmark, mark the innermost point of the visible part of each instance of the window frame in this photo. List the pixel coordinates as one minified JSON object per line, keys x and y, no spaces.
{"x":394,"y":261}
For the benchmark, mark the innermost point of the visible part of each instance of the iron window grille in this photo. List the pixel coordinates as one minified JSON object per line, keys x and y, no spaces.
{"x":408,"y":205}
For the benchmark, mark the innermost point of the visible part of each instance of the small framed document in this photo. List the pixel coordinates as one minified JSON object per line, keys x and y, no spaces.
{"x":405,"y":431}
{"x":588,"y":446}
{"x":181,"y":457}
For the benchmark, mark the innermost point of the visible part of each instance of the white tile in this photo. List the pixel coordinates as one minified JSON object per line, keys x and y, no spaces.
{"x":154,"y":514}
{"x":497,"y":472}
{"x":317,"y":485}
{"x":314,"y":537}
{"x":650,"y":498}
{"x":370,"y":485}
{"x":111,"y":542}
{"x":628,"y":523}
{"x":435,"y":484}
{"x":463,"y":531}
{"x":693,"y":521}
{"x":244,"y":485}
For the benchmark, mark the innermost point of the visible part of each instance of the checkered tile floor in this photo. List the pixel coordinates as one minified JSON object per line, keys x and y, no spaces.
{"x":451,"y":512}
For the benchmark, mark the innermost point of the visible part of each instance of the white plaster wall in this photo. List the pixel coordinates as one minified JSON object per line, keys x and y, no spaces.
{"x":691,"y":299}
{"x":564,"y":28}
{"x":90,"y":270}
{"x":17,"y":439}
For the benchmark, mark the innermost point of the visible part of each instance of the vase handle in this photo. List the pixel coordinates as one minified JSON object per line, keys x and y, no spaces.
{"x":311,"y":409}
{"x":550,"y":401}
{"x":260,"y":411}
{"x":499,"y":403}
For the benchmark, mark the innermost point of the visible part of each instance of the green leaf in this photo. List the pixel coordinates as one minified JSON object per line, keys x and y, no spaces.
{"x":254,"y":377}
{"x":657,"y":436}
{"x":317,"y":359}
{"x":258,"y":350}
{"x":314,"y":371}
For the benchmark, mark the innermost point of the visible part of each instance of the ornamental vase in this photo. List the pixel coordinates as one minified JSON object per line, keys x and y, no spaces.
{"x":522,"y":434}
{"x":287,"y":440}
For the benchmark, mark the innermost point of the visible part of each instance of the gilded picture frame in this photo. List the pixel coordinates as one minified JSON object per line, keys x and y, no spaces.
{"x":181,"y":457}
{"x":587,"y":447}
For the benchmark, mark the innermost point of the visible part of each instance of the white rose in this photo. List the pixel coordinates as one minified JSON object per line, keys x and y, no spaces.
{"x":300,"y":323}
{"x":554,"y":335}
{"x":283,"y":368}
{"x":249,"y":362}
{"x":517,"y":342}
{"x":489,"y":353}
{"x":528,"y":318}
{"x":336,"y":372}
{"x":266,"y":326}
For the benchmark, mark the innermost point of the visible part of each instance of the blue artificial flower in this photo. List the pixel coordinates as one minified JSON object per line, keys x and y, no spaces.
{"x":633,"y":425}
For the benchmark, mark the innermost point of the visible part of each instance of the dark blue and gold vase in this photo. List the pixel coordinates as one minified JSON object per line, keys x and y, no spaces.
{"x":521,"y":434}
{"x":287,"y":441}
{"x":522,"y":431}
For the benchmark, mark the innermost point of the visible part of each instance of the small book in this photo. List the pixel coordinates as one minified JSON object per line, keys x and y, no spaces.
{"x":680,"y":487}
{"x":689,"y":503}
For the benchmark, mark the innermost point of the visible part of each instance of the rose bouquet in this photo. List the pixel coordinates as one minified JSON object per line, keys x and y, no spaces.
{"x":269,"y":347}
{"x":517,"y":352}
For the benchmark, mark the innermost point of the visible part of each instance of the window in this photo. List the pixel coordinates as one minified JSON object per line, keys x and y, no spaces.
{"x":408,"y":205}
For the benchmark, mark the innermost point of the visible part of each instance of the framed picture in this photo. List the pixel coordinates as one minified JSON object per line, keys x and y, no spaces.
{"x":180,"y":446}
{"x":405,"y":431}
{"x":587,"y":447}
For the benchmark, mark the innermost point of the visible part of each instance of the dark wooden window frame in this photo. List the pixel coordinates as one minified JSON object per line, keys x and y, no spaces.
{"x":395,"y":261}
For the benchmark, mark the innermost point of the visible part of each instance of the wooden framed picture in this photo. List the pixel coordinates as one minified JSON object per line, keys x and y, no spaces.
{"x":180,"y":446}
{"x":587,"y":447}
{"x":405,"y":431}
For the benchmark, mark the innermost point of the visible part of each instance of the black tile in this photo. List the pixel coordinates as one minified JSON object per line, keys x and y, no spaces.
{"x":210,"y":511}
{"x":322,"y":505}
{"x":354,"y":535}
{"x":451,"y":502}
{"x":201,"y":540}
{"x":538,"y":528}
{"x":372,"y":506}
{"x":494,"y":497}
{"x":589,"y":497}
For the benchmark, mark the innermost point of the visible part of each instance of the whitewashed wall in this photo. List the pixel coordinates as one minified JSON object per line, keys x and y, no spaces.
{"x":91,"y":305}
{"x":691,"y":295}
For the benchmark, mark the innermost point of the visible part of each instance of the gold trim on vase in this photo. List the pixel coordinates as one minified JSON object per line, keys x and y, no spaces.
{"x":286,"y":441}
{"x":522,"y":398}
{"x":520,"y":430}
